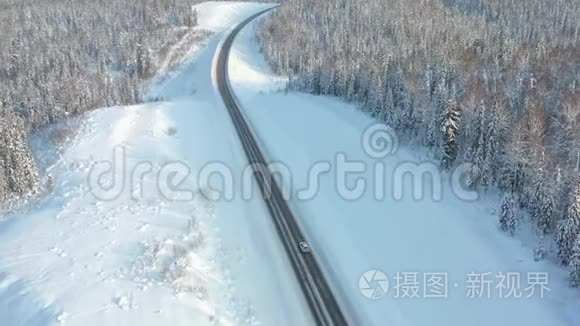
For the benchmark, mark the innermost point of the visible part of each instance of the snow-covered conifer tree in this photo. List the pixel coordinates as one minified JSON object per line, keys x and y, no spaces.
{"x":569,"y":228}
{"x":540,"y":251}
{"x":575,"y":264}
{"x":507,"y":215}
{"x":450,"y":131}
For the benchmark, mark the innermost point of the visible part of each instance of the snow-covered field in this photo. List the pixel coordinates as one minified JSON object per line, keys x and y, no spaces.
{"x":418,"y":239}
{"x":138,"y":258}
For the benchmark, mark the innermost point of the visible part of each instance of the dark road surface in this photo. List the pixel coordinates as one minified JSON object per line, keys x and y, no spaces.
{"x":317,"y":292}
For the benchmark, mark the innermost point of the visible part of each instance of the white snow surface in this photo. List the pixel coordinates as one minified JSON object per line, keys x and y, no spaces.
{"x":416,"y":237}
{"x":139,"y":258}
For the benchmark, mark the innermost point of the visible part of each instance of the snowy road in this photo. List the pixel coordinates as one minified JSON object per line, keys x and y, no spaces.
{"x":317,"y":291}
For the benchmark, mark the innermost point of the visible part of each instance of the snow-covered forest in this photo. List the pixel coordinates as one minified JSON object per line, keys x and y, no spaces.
{"x":494,"y":83}
{"x":61,"y":58}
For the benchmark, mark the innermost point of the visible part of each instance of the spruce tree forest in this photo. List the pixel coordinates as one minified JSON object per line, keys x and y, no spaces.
{"x":62,"y":58}
{"x":492,"y":83}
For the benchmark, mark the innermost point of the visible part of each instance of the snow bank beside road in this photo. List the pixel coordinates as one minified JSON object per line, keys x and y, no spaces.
{"x":84,"y":256}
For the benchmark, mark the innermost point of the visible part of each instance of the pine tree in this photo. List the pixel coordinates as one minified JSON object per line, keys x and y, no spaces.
{"x":436,"y":114}
{"x":481,"y":178}
{"x":548,"y":220}
{"x":450,"y":130}
{"x":4,"y":191}
{"x":536,"y":192}
{"x":192,"y":20}
{"x":350,"y":88}
{"x":400,"y":93}
{"x":562,"y":189}
{"x":430,"y":134}
{"x":388,"y":107}
{"x":507,"y":217}
{"x":428,"y":84}
{"x":478,"y":175}
{"x":315,"y":84}
{"x":143,"y":60}
{"x":492,"y":134}
{"x":513,"y":221}
{"x":540,"y":251}
{"x":544,"y":213}
{"x":575,"y":264}
{"x":568,"y":229}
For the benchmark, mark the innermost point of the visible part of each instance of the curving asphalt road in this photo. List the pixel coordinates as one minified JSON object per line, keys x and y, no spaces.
{"x":318,"y":293}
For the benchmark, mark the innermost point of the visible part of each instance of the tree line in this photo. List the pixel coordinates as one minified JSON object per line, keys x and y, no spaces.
{"x":491,"y":83}
{"x":61,"y":58}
